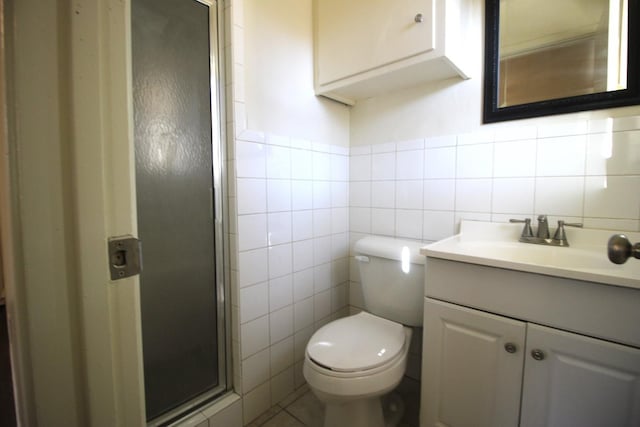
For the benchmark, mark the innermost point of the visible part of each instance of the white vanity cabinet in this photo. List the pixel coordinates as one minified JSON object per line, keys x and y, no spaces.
{"x":366,"y":47}
{"x":529,"y":335}
{"x":473,"y":373}
{"x":580,"y":381}
{"x":468,"y":379}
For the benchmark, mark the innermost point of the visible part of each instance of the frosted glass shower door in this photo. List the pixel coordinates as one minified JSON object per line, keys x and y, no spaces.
{"x":175,"y":150}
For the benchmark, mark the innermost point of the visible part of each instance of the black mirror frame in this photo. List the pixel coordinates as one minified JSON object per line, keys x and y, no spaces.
{"x":596,"y":101}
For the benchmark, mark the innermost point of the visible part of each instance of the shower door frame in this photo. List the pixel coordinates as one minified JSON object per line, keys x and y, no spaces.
{"x":218,"y":136}
{"x":87,"y":141}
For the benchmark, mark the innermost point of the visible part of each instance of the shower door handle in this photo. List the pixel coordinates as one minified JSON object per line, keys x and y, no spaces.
{"x":125,"y":256}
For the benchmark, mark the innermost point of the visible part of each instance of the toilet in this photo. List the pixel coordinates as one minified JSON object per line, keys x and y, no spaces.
{"x":352,"y":362}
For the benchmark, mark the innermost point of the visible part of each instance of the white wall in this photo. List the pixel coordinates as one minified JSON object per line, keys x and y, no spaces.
{"x":443,"y":108}
{"x":288,"y":199}
{"x":448,"y":107}
{"x":292,"y":263}
{"x":42,"y":306}
{"x":399,"y":186}
{"x":278,"y":54}
{"x":582,"y":171}
{"x":547,"y":165}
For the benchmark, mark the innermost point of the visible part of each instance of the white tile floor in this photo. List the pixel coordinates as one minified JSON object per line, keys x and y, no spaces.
{"x":300,"y":409}
{"x":303,"y":409}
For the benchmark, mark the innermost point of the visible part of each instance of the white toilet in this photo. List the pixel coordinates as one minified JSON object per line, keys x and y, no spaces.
{"x":351,"y":362}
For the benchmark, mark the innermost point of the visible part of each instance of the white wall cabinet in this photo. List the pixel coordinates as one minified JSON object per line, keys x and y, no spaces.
{"x":481,"y":369}
{"x":366,"y":47}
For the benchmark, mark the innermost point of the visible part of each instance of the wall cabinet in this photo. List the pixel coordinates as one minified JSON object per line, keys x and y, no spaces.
{"x":366,"y":47}
{"x":482,"y":369}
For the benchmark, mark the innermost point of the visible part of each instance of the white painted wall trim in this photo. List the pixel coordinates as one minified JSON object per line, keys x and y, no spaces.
{"x":67,"y":184}
{"x":104,"y":178}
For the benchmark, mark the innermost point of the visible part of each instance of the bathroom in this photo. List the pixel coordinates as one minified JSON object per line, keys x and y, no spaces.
{"x":312,"y":176}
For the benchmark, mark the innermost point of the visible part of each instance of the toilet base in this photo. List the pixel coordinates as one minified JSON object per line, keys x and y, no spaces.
{"x":355,"y":413}
{"x":392,"y":409}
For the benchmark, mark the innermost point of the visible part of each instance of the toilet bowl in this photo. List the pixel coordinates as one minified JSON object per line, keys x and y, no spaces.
{"x":352,"y":362}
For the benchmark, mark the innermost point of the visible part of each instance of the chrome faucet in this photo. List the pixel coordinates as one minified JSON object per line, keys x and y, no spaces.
{"x":560,"y":237}
{"x":543,"y":227}
{"x":527,"y":232}
{"x":542,"y":236}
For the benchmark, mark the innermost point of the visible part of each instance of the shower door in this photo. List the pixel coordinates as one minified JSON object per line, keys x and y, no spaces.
{"x":178,"y":182}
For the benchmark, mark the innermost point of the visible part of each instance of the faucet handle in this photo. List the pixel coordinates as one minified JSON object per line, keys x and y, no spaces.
{"x":570,"y":224}
{"x":526,"y":230}
{"x":560,"y":235}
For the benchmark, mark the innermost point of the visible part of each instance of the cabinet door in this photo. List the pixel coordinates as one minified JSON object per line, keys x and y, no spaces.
{"x":469,"y":377}
{"x":579,"y":381}
{"x":360,"y":35}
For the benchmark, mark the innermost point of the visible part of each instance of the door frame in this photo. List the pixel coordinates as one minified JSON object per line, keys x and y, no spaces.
{"x":67,"y":184}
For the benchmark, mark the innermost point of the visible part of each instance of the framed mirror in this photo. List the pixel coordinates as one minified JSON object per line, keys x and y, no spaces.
{"x":545,"y":57}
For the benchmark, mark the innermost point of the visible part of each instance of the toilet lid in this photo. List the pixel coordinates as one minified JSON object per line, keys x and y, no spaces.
{"x":356,"y":343}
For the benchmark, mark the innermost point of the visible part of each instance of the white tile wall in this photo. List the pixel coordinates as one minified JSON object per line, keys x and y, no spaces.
{"x":296,"y":207}
{"x":409,"y":165}
{"x":280,"y":292}
{"x":256,"y":298}
{"x":252,"y":266}
{"x":292,"y":215}
{"x":516,"y":158}
{"x":383,"y":194}
{"x":584,"y":172}
{"x":474,"y":161}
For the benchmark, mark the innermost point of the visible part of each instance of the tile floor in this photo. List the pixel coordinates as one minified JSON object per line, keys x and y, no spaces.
{"x":303,"y":409}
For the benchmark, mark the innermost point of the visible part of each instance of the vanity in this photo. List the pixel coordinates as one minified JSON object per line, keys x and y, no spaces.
{"x":517,"y":334}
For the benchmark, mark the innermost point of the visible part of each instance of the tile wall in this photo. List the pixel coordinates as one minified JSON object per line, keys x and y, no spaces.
{"x":289,"y":243}
{"x":294,"y":206}
{"x":586,"y":171}
{"x":291,"y":272}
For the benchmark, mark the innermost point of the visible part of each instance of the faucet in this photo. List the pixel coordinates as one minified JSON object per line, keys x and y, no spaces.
{"x":560,"y":237}
{"x":542,"y":236}
{"x":543,"y":227}
{"x":527,"y":232}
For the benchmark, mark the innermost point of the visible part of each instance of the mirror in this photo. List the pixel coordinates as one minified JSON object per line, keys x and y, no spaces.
{"x":546,"y":57}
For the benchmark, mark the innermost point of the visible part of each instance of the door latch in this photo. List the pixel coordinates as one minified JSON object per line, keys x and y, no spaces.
{"x":125,"y":257}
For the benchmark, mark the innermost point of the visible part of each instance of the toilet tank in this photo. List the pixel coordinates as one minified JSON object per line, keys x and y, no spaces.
{"x":392,"y":277}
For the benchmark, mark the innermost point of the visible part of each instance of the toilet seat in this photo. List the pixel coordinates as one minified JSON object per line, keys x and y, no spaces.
{"x":358,"y":343}
{"x":335,"y":386}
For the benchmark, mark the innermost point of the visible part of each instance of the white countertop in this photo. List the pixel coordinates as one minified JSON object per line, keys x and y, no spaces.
{"x":496,"y":245}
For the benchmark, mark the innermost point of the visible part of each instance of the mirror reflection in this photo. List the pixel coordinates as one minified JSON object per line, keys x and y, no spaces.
{"x":551,"y":49}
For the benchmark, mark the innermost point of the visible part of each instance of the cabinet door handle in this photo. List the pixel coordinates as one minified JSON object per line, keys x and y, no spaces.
{"x":419,"y":18}
{"x":510,"y":347}
{"x":537,"y":354}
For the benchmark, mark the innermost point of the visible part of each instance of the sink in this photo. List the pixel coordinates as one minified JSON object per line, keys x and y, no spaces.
{"x":497,"y":245}
{"x":542,"y":255}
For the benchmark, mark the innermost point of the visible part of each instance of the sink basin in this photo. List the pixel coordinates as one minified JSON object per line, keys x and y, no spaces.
{"x":496,"y":245}
{"x":541,"y":255}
